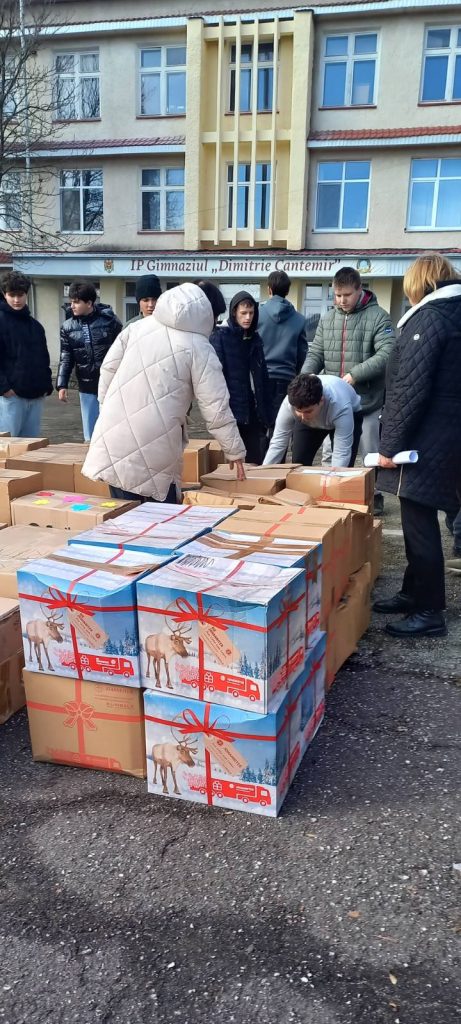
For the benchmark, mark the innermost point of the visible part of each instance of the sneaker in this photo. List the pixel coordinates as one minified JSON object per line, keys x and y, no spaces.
{"x":378,"y":505}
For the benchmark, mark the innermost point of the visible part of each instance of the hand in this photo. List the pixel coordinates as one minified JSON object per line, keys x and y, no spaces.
{"x":62,"y":394}
{"x":349,"y":379}
{"x":239,"y":467}
{"x":386,"y":463}
{"x":9,"y":394}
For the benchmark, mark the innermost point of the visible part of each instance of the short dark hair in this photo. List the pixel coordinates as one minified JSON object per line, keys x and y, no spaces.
{"x":345,"y":276}
{"x":305,"y":390}
{"x":215,"y":297}
{"x":83,"y":291}
{"x":13,"y":282}
{"x":279,"y":283}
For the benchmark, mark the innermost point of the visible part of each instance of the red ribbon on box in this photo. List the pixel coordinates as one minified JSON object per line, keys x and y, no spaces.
{"x":81,"y":715}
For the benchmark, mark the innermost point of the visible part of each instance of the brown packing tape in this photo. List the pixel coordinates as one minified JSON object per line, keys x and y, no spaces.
{"x":12,"y":696}
{"x":59,"y":711}
{"x":20,"y":544}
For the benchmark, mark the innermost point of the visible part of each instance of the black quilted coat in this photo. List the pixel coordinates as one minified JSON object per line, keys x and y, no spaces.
{"x":85,"y":341}
{"x":423,"y":402}
{"x":244,"y":366}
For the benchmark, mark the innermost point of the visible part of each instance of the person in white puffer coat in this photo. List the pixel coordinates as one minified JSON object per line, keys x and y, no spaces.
{"x":147,"y":383}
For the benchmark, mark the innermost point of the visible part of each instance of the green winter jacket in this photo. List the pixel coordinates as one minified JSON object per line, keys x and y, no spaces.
{"x":358,"y":343}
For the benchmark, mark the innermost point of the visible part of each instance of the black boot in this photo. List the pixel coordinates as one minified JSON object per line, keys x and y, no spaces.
{"x":398,"y":603}
{"x":417,"y":624}
{"x":378,"y":504}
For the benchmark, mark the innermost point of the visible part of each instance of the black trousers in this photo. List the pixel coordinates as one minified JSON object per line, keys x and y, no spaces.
{"x":307,"y":441}
{"x":255,"y":440}
{"x":277,"y":390}
{"x":118,"y":492}
{"x":424,"y":578}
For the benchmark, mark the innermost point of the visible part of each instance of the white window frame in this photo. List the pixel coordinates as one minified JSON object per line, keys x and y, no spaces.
{"x":342,"y":231}
{"x":435,"y":199}
{"x":262,"y":65}
{"x":250,"y":187}
{"x":162,"y":189}
{"x":163,"y":71}
{"x":10,"y":187}
{"x":77,"y":76}
{"x":349,"y":59}
{"x":452,"y":51}
{"x":81,"y":187}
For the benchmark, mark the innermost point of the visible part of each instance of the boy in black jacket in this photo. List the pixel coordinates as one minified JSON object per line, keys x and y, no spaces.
{"x":25,"y":375}
{"x":86,"y":337}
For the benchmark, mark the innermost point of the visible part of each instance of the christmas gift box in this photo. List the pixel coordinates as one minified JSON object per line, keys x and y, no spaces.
{"x":346,"y":485}
{"x":226,"y":757}
{"x":66,"y":511}
{"x":313,"y":690}
{"x":279,"y":551}
{"x":137,"y":531}
{"x":117,"y":560}
{"x":79,"y":621}
{"x":206,"y":516}
{"x":19,"y":544}
{"x":234,"y":632}
{"x":86,"y":724}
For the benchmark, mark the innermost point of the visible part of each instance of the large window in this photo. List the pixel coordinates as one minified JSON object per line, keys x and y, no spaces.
{"x":261,"y":193}
{"x":77,"y":86}
{"x":265,"y":73}
{"x":442,"y":65}
{"x":81,"y":201}
{"x":435,"y":194}
{"x":10,"y":202}
{"x":162,"y":199}
{"x":349,"y":70}
{"x":342,"y":196}
{"x":163,"y":80}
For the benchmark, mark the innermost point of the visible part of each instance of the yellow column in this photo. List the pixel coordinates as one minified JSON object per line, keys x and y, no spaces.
{"x":196,"y":75}
{"x":48,"y":299}
{"x":112,"y":292}
{"x":303,"y":41}
{"x":382,"y":287}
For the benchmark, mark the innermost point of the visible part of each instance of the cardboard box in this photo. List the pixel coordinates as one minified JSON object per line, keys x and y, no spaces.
{"x":10,"y":628}
{"x":237,"y":759}
{"x":18,"y":544}
{"x":236,"y":632}
{"x":216,"y":456}
{"x":289,"y":497}
{"x":195,"y":461}
{"x":80,"y":621}
{"x":10,"y":446}
{"x":376,"y":555}
{"x":60,"y":466}
{"x":345,"y":485}
{"x":330,"y":653}
{"x":66,"y":511}
{"x":259,"y":479}
{"x":117,"y":560}
{"x":352,"y":616}
{"x":87,"y":725}
{"x":12,"y":696}
{"x":13,"y":484}
{"x":279,"y":551}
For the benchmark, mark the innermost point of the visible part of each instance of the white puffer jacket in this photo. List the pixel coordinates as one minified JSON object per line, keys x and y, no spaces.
{"x":147,"y":383}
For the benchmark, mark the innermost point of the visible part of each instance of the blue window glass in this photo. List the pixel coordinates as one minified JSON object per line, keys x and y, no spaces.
{"x":457,"y":79}
{"x":336,"y":46}
{"x":363,"y":82}
{"x":334,"y":85}
{"x":422,"y":197}
{"x":365,"y":44}
{"x":355,"y":205}
{"x":435,"y":78}
{"x":328,"y":206}
{"x":438,"y":38}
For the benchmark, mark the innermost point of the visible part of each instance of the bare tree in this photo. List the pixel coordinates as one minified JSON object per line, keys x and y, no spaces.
{"x":35,"y":99}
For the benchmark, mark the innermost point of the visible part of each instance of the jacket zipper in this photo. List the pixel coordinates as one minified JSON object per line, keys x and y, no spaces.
{"x":343,"y":346}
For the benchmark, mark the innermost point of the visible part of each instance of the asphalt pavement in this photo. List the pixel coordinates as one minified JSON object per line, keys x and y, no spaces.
{"x":122,"y":908}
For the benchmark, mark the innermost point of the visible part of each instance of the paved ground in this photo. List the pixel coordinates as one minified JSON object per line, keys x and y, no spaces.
{"x":123,"y":909}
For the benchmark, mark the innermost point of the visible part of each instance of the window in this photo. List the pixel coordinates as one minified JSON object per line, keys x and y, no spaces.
{"x":81,"y":201}
{"x":350,"y":70}
{"x":342,"y":196}
{"x":163,"y":81}
{"x":131,"y":307}
{"x":10,"y":203}
{"x":162,"y":199}
{"x":77,"y":86}
{"x":261,"y":192}
{"x":442,"y":65}
{"x":265,"y":73}
{"x":435,"y":194}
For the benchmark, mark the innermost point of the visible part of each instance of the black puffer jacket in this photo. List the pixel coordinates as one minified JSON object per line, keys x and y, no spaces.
{"x":24,"y":356}
{"x":85,"y":341}
{"x":242,"y":359}
{"x":423,"y":402}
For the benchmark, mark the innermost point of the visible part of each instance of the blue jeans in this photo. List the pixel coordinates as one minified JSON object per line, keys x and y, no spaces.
{"x":89,"y":407}
{"x":21,"y":417}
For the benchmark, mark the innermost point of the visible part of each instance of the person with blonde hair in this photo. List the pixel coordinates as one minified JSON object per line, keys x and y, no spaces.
{"x":423,"y":412}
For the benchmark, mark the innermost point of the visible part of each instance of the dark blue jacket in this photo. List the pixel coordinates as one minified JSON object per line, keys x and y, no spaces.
{"x":284,"y":337}
{"x":24,"y":357}
{"x":242,"y":358}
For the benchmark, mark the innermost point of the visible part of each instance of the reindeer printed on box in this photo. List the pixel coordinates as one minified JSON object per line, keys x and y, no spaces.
{"x":169,"y":756}
{"x":163,"y":646}
{"x":39,"y":632}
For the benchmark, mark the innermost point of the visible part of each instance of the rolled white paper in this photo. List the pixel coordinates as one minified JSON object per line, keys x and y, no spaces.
{"x":401,"y":459}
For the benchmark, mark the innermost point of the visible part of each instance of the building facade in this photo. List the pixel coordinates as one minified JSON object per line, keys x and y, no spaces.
{"x":220,"y":145}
